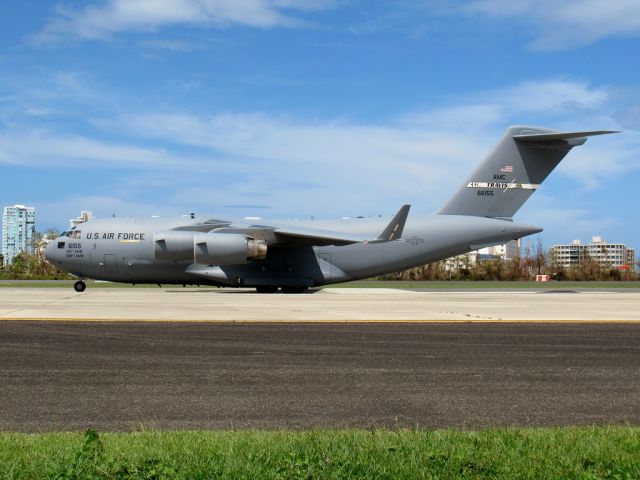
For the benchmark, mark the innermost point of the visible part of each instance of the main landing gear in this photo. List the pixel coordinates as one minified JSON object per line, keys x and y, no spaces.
{"x":274,"y":289}
{"x":79,"y":286}
{"x":267,"y":289}
{"x":294,"y":289}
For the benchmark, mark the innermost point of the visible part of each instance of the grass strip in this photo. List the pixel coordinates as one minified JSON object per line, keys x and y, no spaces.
{"x":403,"y":285}
{"x":480,"y":284}
{"x":572,"y":452}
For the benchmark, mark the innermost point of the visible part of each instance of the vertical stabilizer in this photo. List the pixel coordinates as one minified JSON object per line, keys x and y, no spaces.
{"x":516,"y":167}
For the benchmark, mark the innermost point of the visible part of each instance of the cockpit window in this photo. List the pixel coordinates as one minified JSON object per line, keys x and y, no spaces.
{"x":63,"y":234}
{"x":75,"y":234}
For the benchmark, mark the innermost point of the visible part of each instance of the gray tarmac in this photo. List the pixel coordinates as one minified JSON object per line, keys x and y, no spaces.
{"x":331,"y":304}
{"x":165,"y":375}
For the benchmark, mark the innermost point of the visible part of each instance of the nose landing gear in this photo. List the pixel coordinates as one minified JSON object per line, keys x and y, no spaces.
{"x":79,"y":286}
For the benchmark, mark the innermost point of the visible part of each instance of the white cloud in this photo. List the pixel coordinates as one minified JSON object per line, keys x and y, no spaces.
{"x":525,"y":102}
{"x":418,"y":157}
{"x":106,"y":18}
{"x":551,"y":96}
{"x":580,"y":223}
{"x":568,"y":24}
{"x":303,"y":159}
{"x":43,"y":148}
{"x":326,"y":166}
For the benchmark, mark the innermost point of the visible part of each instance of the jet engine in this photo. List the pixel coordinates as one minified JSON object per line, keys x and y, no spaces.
{"x":227,"y":249}
{"x":208,"y":248}
{"x":174,"y":245}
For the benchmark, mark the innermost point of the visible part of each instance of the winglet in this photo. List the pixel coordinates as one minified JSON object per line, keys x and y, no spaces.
{"x":393,"y":231}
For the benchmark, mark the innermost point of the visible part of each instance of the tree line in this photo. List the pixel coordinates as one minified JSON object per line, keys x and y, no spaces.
{"x":33,"y":266}
{"x":533,"y":262}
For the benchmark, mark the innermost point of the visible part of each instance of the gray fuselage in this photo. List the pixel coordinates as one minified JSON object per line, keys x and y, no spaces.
{"x":123,"y":250}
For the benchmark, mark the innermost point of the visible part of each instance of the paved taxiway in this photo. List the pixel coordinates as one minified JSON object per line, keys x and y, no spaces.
{"x":332,"y":304}
{"x":128,"y":376}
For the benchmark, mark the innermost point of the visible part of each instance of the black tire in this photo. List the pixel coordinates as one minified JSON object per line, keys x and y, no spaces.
{"x":296,"y":289}
{"x":267,"y":289}
{"x":79,"y":286}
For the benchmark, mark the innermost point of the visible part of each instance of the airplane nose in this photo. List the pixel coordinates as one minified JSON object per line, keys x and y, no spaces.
{"x":49,"y":251}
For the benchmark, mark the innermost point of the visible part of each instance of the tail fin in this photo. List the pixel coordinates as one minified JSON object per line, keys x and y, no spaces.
{"x":515,"y":168}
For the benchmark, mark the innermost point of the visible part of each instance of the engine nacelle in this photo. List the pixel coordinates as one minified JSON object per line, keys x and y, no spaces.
{"x":227,"y":249}
{"x":174,"y":245}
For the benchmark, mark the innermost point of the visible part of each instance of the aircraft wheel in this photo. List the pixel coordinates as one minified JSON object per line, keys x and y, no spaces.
{"x":79,"y":286}
{"x":295,"y":289}
{"x":267,"y":289}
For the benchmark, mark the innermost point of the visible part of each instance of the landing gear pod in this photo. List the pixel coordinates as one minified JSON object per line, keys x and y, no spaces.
{"x":227,"y":249}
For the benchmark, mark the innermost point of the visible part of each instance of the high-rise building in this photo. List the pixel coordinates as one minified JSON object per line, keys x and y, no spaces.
{"x":612,"y":255}
{"x":18,"y":229}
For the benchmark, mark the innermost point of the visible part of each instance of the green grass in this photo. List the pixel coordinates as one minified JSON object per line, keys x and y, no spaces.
{"x":444,"y":285}
{"x":405,"y":285}
{"x":563,"y":453}
{"x":69,"y":285}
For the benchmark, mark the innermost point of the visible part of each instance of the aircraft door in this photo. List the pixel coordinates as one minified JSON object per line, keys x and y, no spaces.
{"x":110,"y":263}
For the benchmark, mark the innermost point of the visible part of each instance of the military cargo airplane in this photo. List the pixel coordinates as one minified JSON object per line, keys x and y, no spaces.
{"x":293,"y":256}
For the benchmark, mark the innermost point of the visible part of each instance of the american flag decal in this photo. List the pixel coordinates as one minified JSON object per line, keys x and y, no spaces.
{"x":507,"y":169}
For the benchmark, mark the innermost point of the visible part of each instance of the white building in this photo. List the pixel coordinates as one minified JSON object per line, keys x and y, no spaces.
{"x":18,"y":229}
{"x":505,"y":251}
{"x":85,"y":216}
{"x":611,"y":255}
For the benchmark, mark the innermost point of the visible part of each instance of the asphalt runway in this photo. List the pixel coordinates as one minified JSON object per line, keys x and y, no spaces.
{"x":331,"y":304}
{"x":164,"y":375}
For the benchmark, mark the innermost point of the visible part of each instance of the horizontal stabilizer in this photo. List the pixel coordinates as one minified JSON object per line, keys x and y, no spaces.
{"x":550,"y":137}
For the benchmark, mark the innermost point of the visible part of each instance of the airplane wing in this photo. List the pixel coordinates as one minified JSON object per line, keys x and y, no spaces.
{"x":314,"y":236}
{"x":294,"y":235}
{"x":301,"y":235}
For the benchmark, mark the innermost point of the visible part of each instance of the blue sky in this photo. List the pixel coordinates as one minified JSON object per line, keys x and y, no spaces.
{"x":325,"y":108}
